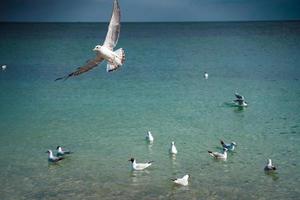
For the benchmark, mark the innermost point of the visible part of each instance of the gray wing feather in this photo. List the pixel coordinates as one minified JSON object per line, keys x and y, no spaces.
{"x":113,"y":32}
{"x":80,"y":70}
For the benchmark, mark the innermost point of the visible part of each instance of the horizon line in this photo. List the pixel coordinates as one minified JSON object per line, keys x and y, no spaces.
{"x":208,"y":21}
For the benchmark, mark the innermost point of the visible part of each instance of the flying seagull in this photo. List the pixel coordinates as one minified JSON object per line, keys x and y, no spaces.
{"x":182,"y":181}
{"x":139,"y":166}
{"x":61,"y":151}
{"x":52,"y":158}
{"x":115,"y":59}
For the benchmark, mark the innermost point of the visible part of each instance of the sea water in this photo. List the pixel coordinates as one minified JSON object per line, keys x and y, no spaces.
{"x":103,"y":117}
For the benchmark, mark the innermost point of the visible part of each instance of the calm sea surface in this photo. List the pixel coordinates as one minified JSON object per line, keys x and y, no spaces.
{"x":103,"y":117}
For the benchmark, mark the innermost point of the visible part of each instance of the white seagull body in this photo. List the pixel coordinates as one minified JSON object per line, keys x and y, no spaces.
{"x":115,"y":59}
{"x":149,"y":137}
{"x":61,"y":151}
{"x":173,"y":149}
{"x":139,"y":166}
{"x":206,"y":75}
{"x":269,"y":166}
{"x":52,"y":158}
{"x":218,"y":155}
{"x":240,"y":100}
{"x":230,"y":146}
{"x":3,"y":67}
{"x":182,"y":181}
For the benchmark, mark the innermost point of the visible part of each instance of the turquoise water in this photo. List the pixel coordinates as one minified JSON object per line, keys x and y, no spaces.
{"x":103,"y":117}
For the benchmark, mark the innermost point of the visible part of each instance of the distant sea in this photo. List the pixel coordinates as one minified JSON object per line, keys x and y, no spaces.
{"x":103,"y":117}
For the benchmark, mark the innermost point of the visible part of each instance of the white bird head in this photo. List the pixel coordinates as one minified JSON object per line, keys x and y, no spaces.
{"x":172,"y":143}
{"x":97,"y":48}
{"x":233,"y":143}
{"x":187,"y":176}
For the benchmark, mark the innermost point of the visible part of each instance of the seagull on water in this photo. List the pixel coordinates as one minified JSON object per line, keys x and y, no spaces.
{"x":149,"y":137}
{"x":269,"y":167}
{"x":182,"y":181}
{"x":3,"y":67}
{"x":205,"y":75}
{"x":230,"y":146}
{"x":61,"y":151}
{"x":52,"y":158}
{"x":240,"y":100}
{"x":115,"y":59}
{"x":139,"y":166}
{"x":173,"y":149}
{"x":218,"y":155}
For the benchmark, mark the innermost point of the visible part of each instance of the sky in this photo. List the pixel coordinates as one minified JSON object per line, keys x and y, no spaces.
{"x":149,"y":10}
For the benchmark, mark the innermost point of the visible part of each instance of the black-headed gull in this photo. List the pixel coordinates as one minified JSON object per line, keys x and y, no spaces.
{"x":139,"y":166}
{"x":52,"y":158}
{"x":218,"y":155}
{"x":61,"y":151}
{"x":182,"y":181}
{"x":115,"y":59}
{"x":240,"y":100}
{"x":270,"y":166}
{"x":230,"y":146}
{"x":173,"y":149}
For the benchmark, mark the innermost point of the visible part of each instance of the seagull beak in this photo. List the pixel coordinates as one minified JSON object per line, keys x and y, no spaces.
{"x":94,"y":49}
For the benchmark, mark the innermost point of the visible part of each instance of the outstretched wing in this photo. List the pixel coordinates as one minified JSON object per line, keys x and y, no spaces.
{"x":80,"y":70}
{"x":113,"y":32}
{"x":239,"y":96}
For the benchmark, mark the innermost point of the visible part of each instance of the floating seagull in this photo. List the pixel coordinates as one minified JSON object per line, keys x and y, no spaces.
{"x":149,"y":137}
{"x":269,"y":167}
{"x":182,"y":181}
{"x":139,"y":166}
{"x":238,"y":96}
{"x":205,"y":75}
{"x":61,"y":151}
{"x":115,"y":59}
{"x":3,"y":67}
{"x":240,"y":100}
{"x":173,"y":149}
{"x":52,"y":158}
{"x":218,"y":155}
{"x":230,"y":146}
